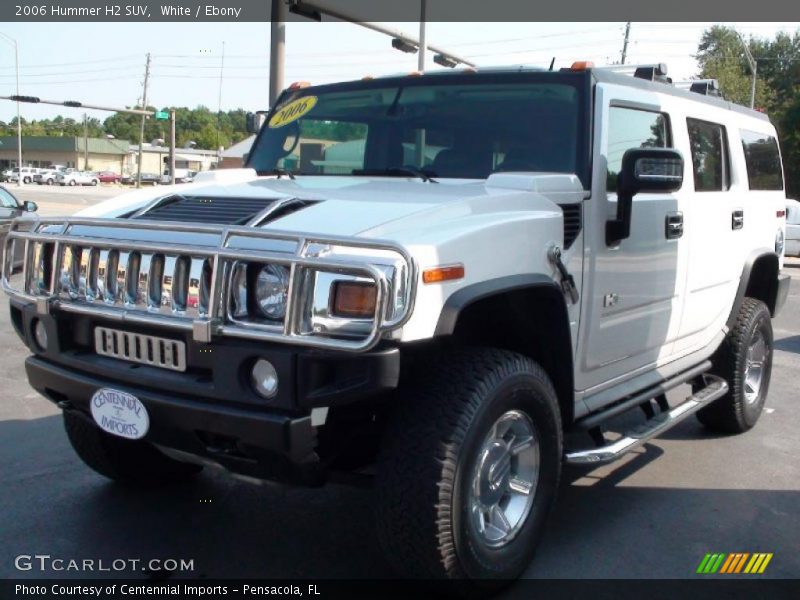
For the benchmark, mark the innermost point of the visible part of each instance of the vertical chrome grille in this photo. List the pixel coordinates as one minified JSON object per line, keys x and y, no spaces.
{"x":130,"y":279}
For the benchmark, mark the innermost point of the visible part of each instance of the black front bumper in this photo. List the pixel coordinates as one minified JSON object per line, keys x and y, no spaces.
{"x":211,"y":410}
{"x":253,"y":442}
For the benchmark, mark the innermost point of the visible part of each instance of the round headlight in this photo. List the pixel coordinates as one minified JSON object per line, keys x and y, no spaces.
{"x":272,"y":289}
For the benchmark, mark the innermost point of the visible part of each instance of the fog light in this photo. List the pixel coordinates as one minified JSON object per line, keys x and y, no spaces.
{"x":40,"y":334}
{"x":265,"y":378}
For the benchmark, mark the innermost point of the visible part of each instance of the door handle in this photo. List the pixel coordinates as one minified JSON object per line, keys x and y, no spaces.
{"x":737,"y":219}
{"x":673,"y":227}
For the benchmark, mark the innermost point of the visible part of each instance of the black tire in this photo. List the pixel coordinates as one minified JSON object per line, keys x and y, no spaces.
{"x":430,"y":454}
{"x":72,"y":182}
{"x":734,"y":413}
{"x":94,"y":182}
{"x":130,"y":462}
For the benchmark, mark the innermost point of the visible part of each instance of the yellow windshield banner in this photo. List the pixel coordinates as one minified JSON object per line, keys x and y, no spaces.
{"x":292,"y":111}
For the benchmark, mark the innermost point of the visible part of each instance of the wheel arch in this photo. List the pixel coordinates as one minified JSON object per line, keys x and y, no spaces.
{"x":521,"y":313}
{"x":759,"y":280}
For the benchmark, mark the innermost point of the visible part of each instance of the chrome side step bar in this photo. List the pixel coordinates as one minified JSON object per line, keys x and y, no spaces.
{"x":716,"y":387}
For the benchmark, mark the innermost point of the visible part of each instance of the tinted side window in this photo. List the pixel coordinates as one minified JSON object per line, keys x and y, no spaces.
{"x":763,"y":161}
{"x":709,"y":144}
{"x":632,"y":128}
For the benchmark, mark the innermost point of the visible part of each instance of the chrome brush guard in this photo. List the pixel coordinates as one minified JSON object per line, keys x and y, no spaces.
{"x":125,"y":271}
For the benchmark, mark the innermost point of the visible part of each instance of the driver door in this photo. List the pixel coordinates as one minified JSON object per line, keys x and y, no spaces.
{"x":634,"y":297}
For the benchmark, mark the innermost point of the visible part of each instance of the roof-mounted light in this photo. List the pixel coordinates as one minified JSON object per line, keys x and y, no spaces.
{"x":581,"y":65}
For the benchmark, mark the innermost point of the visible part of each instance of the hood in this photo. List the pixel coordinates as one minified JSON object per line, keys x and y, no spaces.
{"x":338,"y":205}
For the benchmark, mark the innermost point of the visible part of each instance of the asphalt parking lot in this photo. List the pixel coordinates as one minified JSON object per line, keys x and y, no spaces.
{"x":653,"y":515}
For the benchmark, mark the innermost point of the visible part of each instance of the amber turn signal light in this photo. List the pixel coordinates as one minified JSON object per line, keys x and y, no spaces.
{"x":354,"y":299}
{"x":439,"y":274}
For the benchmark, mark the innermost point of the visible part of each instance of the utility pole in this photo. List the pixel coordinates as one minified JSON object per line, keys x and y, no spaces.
{"x":625,"y":43}
{"x":420,"y":141}
{"x":219,"y":100}
{"x":421,"y":53}
{"x":753,"y":69}
{"x":172,"y":146}
{"x":85,"y":143}
{"x":141,"y":129}
{"x":277,"y":48}
{"x":12,"y":41}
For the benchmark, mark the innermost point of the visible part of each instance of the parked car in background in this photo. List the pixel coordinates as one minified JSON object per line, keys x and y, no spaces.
{"x":181,"y":176}
{"x":147,"y":179}
{"x":792,"y":228}
{"x":108,"y":177}
{"x":48,"y":176}
{"x":10,"y":209}
{"x":28,"y":174}
{"x":150,"y":179}
{"x":77,"y":178}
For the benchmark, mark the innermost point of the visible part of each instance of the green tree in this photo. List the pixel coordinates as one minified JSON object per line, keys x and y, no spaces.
{"x":721,"y":56}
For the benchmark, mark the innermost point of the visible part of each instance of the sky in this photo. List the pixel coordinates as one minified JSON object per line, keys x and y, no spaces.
{"x":104,"y":63}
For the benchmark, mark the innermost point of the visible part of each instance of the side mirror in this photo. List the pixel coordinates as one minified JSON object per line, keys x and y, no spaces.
{"x":30,"y":206}
{"x":644,"y":170}
{"x":254,"y":121}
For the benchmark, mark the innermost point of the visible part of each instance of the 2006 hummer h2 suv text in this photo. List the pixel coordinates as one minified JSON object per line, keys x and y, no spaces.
{"x":426,"y":281}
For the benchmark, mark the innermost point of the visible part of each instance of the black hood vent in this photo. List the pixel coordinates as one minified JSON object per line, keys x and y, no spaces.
{"x":220,"y":211}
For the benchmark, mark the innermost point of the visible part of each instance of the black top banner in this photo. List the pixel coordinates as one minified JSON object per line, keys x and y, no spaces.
{"x":393,"y":10}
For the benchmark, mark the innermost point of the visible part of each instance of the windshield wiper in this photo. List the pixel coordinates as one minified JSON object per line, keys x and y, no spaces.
{"x":399,"y":171}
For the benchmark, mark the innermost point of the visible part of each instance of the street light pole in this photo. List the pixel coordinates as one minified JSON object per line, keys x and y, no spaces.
{"x":19,"y":121}
{"x":753,"y":69}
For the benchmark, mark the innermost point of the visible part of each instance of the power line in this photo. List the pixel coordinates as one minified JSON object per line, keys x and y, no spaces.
{"x":82,"y":62}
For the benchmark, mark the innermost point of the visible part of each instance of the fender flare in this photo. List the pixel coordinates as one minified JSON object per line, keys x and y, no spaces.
{"x":470,"y":294}
{"x":744,"y":282}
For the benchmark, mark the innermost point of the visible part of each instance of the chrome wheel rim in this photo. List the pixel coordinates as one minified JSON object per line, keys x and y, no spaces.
{"x":504,"y":480}
{"x":755,"y":364}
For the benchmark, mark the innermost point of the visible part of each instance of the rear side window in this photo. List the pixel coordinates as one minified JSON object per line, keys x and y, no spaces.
{"x":632,"y":128}
{"x":710,"y":163}
{"x":763,"y":161}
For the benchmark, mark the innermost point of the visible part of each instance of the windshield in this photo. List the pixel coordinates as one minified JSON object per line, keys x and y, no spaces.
{"x":444,"y":129}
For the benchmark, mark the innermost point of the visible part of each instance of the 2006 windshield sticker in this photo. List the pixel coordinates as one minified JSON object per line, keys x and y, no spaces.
{"x":292,"y":111}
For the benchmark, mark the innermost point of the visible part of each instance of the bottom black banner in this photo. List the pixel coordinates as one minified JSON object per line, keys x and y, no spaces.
{"x":551,"y":589}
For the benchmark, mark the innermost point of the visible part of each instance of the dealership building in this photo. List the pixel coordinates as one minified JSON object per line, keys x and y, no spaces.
{"x":101,"y":154}
{"x":92,"y":154}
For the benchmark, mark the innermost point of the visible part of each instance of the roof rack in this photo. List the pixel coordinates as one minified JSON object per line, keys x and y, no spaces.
{"x":706,"y":87}
{"x":649,"y":72}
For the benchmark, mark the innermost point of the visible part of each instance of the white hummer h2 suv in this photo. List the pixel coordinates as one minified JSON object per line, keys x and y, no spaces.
{"x":425,"y":281}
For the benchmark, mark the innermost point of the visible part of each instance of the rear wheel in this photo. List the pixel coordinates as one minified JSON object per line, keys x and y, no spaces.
{"x":744,"y":360}
{"x":131,"y":462}
{"x":72,"y":182}
{"x":470,"y":467}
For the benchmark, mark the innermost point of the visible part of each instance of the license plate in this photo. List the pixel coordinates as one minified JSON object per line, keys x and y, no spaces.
{"x":120,"y":413}
{"x":144,"y":349}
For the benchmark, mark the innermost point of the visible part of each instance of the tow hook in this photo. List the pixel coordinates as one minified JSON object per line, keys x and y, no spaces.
{"x":567,"y":281}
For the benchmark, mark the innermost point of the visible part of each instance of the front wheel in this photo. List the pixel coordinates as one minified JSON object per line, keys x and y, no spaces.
{"x":130,"y":462}
{"x":94,"y":181}
{"x":470,"y":467}
{"x":744,"y":360}
{"x":71,"y":182}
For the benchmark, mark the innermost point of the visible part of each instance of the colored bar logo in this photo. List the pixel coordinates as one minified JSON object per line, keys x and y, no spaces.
{"x":734,"y":563}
